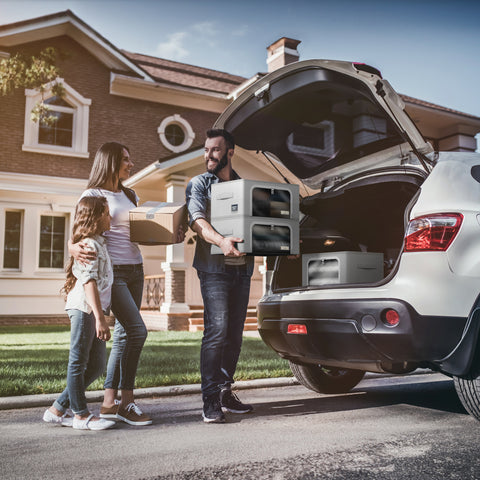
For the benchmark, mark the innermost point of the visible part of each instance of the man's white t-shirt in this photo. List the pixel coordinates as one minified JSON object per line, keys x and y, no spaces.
{"x":121,"y":250}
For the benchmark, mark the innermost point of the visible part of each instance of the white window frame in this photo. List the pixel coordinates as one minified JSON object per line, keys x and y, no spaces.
{"x":65,"y":241}
{"x":3,"y":219}
{"x":80,"y":109}
{"x":184,"y":125}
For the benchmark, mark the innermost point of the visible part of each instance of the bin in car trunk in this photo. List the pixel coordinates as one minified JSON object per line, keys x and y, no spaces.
{"x":341,"y":267}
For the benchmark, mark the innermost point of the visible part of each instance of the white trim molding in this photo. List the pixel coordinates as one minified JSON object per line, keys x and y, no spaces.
{"x":188,"y":97}
{"x":42,"y":184}
{"x":80,"y":108}
{"x":189,"y":134}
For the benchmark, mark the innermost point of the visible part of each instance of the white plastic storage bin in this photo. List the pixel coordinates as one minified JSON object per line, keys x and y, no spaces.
{"x":252,"y":198}
{"x":262,"y":236}
{"x":341,"y":267}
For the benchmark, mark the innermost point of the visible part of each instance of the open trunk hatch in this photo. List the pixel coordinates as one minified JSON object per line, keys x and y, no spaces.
{"x":324,"y":118}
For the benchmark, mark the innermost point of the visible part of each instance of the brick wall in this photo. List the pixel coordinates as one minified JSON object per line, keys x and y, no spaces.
{"x":112,"y":118}
{"x":12,"y":320}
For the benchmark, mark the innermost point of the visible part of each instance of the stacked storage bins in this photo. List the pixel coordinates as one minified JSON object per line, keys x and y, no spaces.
{"x":264,"y":214}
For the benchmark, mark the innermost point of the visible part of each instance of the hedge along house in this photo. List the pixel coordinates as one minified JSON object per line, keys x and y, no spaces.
{"x":161,"y":110}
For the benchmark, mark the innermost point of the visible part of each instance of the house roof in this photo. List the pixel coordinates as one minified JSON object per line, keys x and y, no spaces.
{"x":176,"y":73}
{"x":423,"y":103}
{"x":67,"y":23}
{"x":149,"y":68}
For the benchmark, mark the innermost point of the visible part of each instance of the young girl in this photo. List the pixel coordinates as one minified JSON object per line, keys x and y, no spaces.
{"x":112,"y":166}
{"x":88,"y":289}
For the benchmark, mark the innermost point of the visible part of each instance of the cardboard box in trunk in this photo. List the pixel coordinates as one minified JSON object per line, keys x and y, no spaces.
{"x":157,"y":223}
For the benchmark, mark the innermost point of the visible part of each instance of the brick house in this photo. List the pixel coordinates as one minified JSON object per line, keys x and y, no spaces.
{"x":160,"y":109}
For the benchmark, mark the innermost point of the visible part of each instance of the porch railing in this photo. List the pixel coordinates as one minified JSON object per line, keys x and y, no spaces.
{"x":154,"y":292}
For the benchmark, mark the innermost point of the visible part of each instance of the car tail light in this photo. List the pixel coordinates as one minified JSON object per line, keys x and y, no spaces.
{"x":297,"y":329}
{"x":432,"y":232}
{"x":391,"y":317}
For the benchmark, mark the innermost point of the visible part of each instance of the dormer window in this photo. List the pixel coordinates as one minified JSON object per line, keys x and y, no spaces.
{"x":61,"y":131}
{"x":68,"y":135}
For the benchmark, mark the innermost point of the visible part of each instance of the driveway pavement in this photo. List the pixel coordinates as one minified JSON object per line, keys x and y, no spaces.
{"x":387,"y":428}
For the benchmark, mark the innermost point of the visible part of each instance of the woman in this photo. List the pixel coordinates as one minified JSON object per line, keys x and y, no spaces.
{"x":112,"y":165}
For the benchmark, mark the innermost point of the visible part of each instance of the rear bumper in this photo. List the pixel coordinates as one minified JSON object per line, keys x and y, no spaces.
{"x":351,"y":334}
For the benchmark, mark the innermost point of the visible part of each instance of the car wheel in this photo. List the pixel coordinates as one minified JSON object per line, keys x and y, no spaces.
{"x":468,"y":390}
{"x":326,"y":379}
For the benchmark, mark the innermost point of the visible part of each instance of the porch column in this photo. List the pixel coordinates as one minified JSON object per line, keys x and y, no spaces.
{"x":174,"y":311}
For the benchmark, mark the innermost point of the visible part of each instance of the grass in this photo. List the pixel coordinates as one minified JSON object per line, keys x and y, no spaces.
{"x":34,"y":360}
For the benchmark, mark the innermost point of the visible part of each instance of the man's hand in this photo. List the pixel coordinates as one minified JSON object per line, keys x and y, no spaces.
{"x":227,"y":244}
{"x":81,"y":252}
{"x":180,"y":234}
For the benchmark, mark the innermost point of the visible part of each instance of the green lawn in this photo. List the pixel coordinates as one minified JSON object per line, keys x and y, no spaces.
{"x":34,"y":360}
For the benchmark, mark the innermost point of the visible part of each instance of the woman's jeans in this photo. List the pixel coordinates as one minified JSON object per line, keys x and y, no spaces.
{"x":129,"y":333}
{"x":225,"y":300}
{"x":86,"y":362}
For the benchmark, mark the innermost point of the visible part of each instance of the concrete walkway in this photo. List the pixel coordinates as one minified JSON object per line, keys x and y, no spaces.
{"x":45,"y":400}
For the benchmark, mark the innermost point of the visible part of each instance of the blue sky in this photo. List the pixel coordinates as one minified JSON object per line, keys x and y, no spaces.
{"x":427,"y":49}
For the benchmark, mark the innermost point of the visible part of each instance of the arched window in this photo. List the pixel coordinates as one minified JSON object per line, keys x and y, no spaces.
{"x":68,"y":135}
{"x":175,"y":133}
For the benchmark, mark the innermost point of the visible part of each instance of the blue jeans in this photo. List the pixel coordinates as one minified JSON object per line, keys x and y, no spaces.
{"x":129,"y":333}
{"x":86,"y":362}
{"x":225,"y":300}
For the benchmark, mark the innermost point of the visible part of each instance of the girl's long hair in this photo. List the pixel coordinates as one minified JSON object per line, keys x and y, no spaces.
{"x":106,"y":166}
{"x":86,"y":224}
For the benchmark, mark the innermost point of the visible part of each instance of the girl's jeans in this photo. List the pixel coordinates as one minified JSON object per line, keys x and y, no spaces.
{"x":225,"y":300}
{"x":86,"y":362}
{"x":130,"y":332}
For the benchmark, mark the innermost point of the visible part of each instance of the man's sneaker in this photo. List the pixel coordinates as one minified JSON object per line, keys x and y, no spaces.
{"x":212,"y":411}
{"x":110,"y":412}
{"x":231,"y":403}
{"x":133,"y":415}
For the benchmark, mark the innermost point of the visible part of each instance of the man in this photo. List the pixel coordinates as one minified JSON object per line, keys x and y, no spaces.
{"x":224,"y":283}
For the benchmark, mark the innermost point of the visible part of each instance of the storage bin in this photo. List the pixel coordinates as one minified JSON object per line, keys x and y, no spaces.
{"x":341,"y":267}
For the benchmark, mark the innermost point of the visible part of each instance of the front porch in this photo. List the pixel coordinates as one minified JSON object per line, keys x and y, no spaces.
{"x":155,"y":319}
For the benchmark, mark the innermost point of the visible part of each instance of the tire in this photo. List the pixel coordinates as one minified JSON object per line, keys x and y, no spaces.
{"x":468,"y":391}
{"x":325,"y":379}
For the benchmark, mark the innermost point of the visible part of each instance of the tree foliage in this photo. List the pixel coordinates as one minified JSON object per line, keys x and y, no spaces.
{"x":34,"y":71}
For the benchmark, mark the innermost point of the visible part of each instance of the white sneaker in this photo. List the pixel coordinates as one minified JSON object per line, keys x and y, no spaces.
{"x":86,"y":424}
{"x":62,"y":421}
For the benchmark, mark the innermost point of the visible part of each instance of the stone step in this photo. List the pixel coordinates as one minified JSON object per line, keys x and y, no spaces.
{"x":199,"y":328}
{"x":199,"y":320}
{"x":195,"y":320}
{"x":196,"y":324}
{"x":251,"y":312}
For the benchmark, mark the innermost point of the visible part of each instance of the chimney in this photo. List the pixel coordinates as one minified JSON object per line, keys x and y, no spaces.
{"x":282,"y":52}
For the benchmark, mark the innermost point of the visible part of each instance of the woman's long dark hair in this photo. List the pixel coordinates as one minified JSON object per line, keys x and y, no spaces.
{"x":86,"y":224}
{"x":106,"y":166}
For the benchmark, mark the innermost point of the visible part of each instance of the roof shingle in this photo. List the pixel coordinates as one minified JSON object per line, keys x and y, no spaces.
{"x":182,"y":74}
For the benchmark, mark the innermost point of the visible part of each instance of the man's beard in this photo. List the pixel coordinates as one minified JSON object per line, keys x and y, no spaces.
{"x":221,"y":164}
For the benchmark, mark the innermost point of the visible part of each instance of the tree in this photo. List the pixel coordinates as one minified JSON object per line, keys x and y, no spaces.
{"x":22,"y":71}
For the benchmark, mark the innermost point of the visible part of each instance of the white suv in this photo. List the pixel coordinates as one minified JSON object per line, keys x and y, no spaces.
{"x":388,"y":279}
